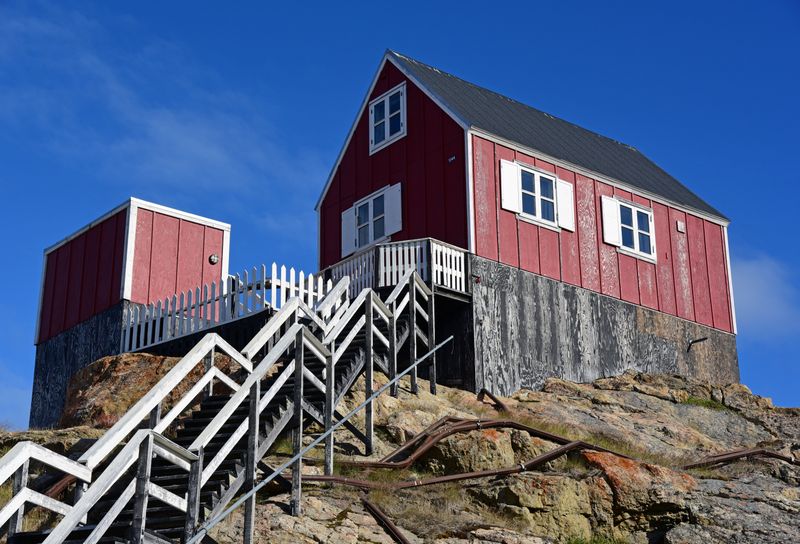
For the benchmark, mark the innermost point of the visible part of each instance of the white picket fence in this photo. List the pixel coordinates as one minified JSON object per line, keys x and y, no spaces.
{"x":220,"y":302}
{"x":383,"y":265}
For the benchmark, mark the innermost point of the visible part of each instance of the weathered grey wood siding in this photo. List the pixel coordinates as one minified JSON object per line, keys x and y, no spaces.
{"x":528,"y":328}
{"x":59,"y":357}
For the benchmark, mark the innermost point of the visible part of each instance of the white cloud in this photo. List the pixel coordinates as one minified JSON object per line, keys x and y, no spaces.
{"x":767,"y":299}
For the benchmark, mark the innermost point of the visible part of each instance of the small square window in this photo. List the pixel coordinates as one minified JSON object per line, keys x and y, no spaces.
{"x":538,"y":195}
{"x":528,"y":204}
{"x":387,"y":118}
{"x":635,"y":230}
{"x":547,"y":187}
{"x":548,"y":210}
{"x":528,"y":182}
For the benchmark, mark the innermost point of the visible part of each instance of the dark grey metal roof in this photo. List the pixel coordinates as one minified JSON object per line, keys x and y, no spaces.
{"x":511,"y":120}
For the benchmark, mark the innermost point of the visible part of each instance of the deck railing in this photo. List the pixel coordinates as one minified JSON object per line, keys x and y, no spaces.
{"x":438,"y":263}
{"x":216,"y":303}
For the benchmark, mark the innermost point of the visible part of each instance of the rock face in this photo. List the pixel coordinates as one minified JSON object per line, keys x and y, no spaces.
{"x":101,"y":393}
{"x":658,"y":422}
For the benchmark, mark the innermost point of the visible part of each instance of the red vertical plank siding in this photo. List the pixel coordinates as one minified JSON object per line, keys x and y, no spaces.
{"x":681,"y":267}
{"x":586,"y":224}
{"x":212,"y":243}
{"x":140,"y":282}
{"x":164,"y":257}
{"x":91,"y":260}
{"x":570,"y":255}
{"x":529,"y":247}
{"x":483,"y":175}
{"x":73,"y":308}
{"x":646,"y":271}
{"x":50,"y":267}
{"x":609,"y":264}
{"x":628,"y":271}
{"x":61,"y":288}
{"x":664,"y":280}
{"x":548,"y":253}
{"x":190,"y":256}
{"x":427,"y":161}
{"x":508,"y":242}
{"x":718,"y":277}
{"x":699,"y":268}
{"x":108,"y":238}
{"x":119,"y":258}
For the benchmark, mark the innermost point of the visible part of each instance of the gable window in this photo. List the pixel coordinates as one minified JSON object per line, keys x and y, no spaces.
{"x":537,"y":196}
{"x":629,"y":227}
{"x":387,"y":118}
{"x":372,"y":219}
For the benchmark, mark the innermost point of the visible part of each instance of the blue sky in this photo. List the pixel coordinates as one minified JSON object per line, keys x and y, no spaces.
{"x":238,"y":114}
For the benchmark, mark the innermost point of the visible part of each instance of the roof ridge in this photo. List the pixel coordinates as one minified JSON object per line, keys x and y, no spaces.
{"x":523,"y":104}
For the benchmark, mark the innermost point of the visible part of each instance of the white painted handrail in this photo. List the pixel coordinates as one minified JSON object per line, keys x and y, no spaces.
{"x":134,"y":416}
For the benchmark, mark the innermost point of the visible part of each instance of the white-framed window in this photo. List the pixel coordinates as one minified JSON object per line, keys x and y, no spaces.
{"x":630,"y":227}
{"x":387,"y":118}
{"x":537,"y":196}
{"x":372,"y":219}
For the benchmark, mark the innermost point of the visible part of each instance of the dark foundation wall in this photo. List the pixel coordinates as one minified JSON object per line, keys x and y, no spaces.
{"x":61,"y":356}
{"x":528,"y":328}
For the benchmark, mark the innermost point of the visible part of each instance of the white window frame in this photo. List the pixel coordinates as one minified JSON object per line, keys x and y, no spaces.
{"x":537,"y":175}
{"x":373,"y":147}
{"x":635,"y":251}
{"x":369,"y":200}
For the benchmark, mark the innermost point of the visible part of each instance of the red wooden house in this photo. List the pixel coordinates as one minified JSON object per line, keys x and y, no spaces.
{"x":578,"y":255}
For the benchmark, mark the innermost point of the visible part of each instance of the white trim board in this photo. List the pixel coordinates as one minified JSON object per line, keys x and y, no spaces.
{"x":139,"y":203}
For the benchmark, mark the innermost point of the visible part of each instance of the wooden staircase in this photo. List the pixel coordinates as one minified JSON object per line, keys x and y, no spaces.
{"x":297,"y":369}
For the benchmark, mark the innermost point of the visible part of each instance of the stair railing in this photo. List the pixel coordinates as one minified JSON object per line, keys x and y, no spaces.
{"x":144,"y":444}
{"x":17,"y":463}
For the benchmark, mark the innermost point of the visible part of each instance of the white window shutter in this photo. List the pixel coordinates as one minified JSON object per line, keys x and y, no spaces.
{"x":565,"y":198}
{"x":510,"y":190}
{"x":393,"y":200}
{"x":348,"y":231}
{"x":611,"y":221}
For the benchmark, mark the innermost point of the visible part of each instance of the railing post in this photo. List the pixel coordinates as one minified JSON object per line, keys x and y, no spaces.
{"x":377,"y":268}
{"x":155,"y":417}
{"x":297,"y":436}
{"x":330,"y":385}
{"x":393,"y":349}
{"x":432,"y":337}
{"x":20,"y":483}
{"x":208,"y":363}
{"x":369,"y":357}
{"x":250,"y":469}
{"x":412,"y":330}
{"x":193,"y":496}
{"x":141,"y":497}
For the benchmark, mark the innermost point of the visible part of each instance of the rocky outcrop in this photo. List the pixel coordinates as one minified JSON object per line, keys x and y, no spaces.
{"x":658,"y":422}
{"x":101,"y":393}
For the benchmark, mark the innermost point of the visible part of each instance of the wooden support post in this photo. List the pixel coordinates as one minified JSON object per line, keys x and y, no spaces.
{"x":393,"y":349}
{"x":412,"y":331}
{"x":297,"y":436}
{"x":141,"y":497}
{"x":208,"y":363}
{"x":330,"y":393}
{"x":432,"y":338}
{"x":369,"y":362}
{"x":250,"y":469}
{"x":155,"y":417}
{"x":20,"y":483}
{"x":193,"y":497}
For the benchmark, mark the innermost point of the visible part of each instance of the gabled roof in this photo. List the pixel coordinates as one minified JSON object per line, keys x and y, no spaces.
{"x":511,"y":120}
{"x":477,"y":108}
